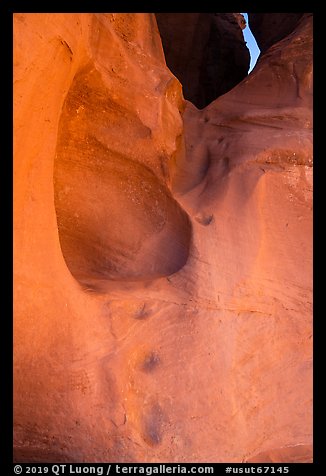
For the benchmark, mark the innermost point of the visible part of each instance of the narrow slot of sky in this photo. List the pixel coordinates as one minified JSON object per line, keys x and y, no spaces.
{"x":251,"y":43}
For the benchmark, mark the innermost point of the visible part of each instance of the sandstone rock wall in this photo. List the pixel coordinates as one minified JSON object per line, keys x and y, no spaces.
{"x":247,"y":177}
{"x":162,"y":254}
{"x":97,"y":120}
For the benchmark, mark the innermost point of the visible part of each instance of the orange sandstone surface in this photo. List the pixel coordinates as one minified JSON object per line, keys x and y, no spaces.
{"x":162,"y":253}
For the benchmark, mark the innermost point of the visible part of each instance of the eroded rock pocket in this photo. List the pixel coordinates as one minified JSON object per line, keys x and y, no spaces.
{"x":116,"y":219}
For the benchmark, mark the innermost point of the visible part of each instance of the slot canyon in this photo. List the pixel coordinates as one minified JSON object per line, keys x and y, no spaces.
{"x":162,"y":238}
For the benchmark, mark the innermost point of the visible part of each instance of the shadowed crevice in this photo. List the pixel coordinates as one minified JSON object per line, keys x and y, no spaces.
{"x":205,"y":51}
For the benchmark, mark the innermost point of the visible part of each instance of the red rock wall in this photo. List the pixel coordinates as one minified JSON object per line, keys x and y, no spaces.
{"x":247,"y":176}
{"x":119,"y":182}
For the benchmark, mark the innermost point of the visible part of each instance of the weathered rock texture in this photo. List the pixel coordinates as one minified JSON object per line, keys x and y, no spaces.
{"x":205,"y":51}
{"x":162,"y":254}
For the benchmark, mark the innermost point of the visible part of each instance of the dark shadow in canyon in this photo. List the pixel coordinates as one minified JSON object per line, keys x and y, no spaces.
{"x":205,"y":51}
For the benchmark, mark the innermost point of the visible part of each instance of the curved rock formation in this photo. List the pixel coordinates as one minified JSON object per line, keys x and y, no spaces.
{"x":102,"y":187}
{"x":162,"y":254}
